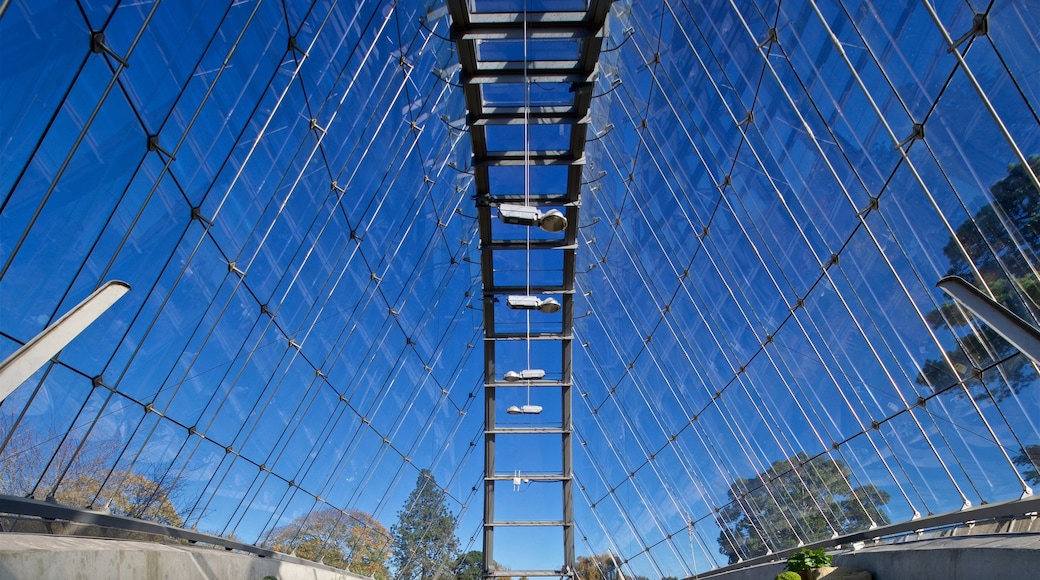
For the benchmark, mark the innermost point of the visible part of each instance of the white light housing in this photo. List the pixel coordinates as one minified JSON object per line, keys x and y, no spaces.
{"x":524,"y":375}
{"x":524,"y":215}
{"x":547,"y":305}
{"x":553,"y":221}
{"x":524,"y":410}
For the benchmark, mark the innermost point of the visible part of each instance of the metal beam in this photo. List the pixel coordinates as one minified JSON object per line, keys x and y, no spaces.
{"x":1022,"y":335}
{"x":531,"y":245}
{"x":518,"y":119}
{"x":532,"y":289}
{"x":526,"y":523}
{"x":536,"y":111}
{"x":17,"y":368}
{"x":536,"y":384}
{"x":525,"y":574}
{"x":533,"y":18}
{"x":552,"y":199}
{"x":534,"y":160}
{"x":488,"y":338}
{"x":526,"y":430}
{"x":508,"y":75}
{"x":531,"y":476}
{"x":509,"y":31}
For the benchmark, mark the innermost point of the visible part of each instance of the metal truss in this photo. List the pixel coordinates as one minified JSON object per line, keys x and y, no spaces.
{"x":473,"y":32}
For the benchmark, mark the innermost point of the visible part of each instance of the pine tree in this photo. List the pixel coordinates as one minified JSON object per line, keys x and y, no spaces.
{"x":424,"y":542}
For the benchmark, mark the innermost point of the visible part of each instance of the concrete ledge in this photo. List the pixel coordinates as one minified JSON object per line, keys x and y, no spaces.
{"x":43,"y":557}
{"x":983,"y":557}
{"x":1006,"y":556}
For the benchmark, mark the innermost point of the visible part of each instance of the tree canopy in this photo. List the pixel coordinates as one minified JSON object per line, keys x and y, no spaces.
{"x":124,"y":494}
{"x":795,"y":499}
{"x":424,"y":542}
{"x":470,"y":566}
{"x":351,"y":540}
{"x":599,"y":567}
{"x":1028,"y":459}
{"x":30,"y":467}
{"x":994,"y":239}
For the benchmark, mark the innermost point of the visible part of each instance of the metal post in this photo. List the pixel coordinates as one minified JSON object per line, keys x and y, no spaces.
{"x":489,"y":457}
{"x":568,"y":467}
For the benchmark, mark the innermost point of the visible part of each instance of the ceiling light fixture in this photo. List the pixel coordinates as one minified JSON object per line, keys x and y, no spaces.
{"x":552,"y":221}
{"x":524,"y":410}
{"x":524,"y":375}
{"x":546,"y":305}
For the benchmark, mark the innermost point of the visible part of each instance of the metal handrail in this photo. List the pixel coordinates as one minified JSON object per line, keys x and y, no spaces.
{"x":1026,"y":506}
{"x":52,"y":511}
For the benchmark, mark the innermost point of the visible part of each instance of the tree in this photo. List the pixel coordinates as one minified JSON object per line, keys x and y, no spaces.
{"x":987,"y":239}
{"x":1029,"y":460}
{"x":470,"y":566}
{"x":600,"y":567}
{"x":795,"y":499}
{"x":29,"y":467}
{"x":424,"y":542}
{"x":124,"y":494}
{"x":351,"y":540}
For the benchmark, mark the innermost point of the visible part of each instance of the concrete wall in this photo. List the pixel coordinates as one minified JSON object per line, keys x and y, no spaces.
{"x":43,"y":557}
{"x":1004,"y":557}
{"x":996,"y":557}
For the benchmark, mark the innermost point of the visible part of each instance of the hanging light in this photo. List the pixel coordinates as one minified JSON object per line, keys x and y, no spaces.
{"x":524,"y":410}
{"x":524,"y":375}
{"x":547,"y":305}
{"x":552,"y":221}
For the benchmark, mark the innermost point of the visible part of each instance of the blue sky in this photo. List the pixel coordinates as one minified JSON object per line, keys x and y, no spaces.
{"x":305,"y":321}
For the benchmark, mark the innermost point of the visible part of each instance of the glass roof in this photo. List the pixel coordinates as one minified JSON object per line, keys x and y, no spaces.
{"x":305,"y":199}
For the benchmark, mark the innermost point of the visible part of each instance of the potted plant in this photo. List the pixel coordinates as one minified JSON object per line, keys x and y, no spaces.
{"x":807,"y":563}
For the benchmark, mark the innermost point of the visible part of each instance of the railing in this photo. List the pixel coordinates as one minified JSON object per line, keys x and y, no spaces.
{"x":1025,"y":507}
{"x":20,"y":506}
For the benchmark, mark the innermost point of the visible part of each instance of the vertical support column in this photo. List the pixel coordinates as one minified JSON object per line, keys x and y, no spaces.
{"x":568,"y":429}
{"x":489,"y":456}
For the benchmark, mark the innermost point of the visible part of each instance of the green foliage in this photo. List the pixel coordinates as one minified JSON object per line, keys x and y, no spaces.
{"x":795,"y":500}
{"x":424,"y":542}
{"x":1029,"y":460}
{"x":470,"y":566}
{"x":806,"y":559}
{"x":788,"y":576}
{"x":991,"y":243}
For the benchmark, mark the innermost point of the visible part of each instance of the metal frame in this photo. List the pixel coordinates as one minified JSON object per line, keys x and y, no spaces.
{"x":467,"y":31}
